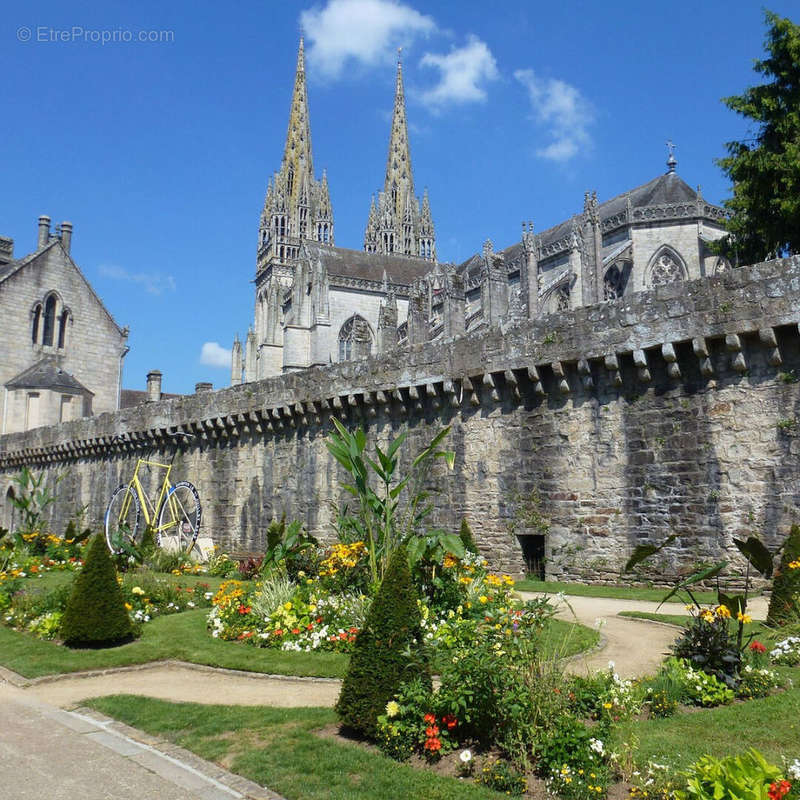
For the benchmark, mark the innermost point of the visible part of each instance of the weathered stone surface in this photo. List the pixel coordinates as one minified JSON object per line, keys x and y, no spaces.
{"x":705,"y":450}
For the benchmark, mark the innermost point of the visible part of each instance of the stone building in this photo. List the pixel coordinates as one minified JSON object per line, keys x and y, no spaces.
{"x":317,"y":303}
{"x":61,"y":352}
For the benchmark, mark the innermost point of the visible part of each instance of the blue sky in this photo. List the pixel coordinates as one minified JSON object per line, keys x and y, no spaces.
{"x":159,"y":152}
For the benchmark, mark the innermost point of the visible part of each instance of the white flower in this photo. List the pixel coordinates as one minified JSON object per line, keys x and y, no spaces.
{"x":208,"y":595}
{"x":597,"y":746}
{"x":611,"y":666}
{"x":466,"y":756}
{"x":793,"y":770}
{"x":190,"y":604}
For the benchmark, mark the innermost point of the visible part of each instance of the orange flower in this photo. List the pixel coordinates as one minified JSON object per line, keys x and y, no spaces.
{"x":433,"y":744}
{"x":429,"y":719}
{"x":432,"y":731}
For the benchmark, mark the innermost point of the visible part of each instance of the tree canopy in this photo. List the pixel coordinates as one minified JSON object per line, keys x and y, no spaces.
{"x":765,"y":169}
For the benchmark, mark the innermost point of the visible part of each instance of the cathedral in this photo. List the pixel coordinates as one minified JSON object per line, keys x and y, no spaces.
{"x":317,"y":303}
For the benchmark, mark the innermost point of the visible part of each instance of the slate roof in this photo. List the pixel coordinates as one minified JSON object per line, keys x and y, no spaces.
{"x":344,"y":263}
{"x":46,"y":374}
{"x":665,"y":189}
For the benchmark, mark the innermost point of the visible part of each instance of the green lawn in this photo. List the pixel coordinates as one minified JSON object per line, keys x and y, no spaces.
{"x":770,"y":724}
{"x":278,"y":748}
{"x":619,"y":591}
{"x":184,"y":637}
{"x":178,"y":636}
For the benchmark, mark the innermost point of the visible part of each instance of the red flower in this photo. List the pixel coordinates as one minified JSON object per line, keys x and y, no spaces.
{"x":433,"y":744}
{"x":279,"y":632}
{"x":310,"y":626}
{"x":353,"y":630}
{"x":778,"y":790}
{"x":295,"y":631}
{"x":244,"y":609}
{"x":757,"y":647}
{"x":450,"y":721}
{"x":432,"y":732}
{"x":245,"y":635}
{"x":429,"y":718}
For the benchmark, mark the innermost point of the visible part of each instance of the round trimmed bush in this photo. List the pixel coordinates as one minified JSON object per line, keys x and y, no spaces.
{"x":386,"y":650}
{"x":95,"y":615}
{"x":784,"y":607}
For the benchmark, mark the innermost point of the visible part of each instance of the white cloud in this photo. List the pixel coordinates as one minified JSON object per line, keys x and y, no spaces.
{"x":463,"y":73}
{"x":563,"y":110}
{"x":363,"y":31}
{"x":214,"y":354}
{"x":152,"y":282}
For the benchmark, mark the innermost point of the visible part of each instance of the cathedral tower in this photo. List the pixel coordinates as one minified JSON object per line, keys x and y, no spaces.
{"x":297,"y":206}
{"x":397,"y":224}
{"x":297,"y":209}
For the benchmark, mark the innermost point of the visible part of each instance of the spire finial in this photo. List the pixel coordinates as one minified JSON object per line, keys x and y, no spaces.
{"x":671,"y":160}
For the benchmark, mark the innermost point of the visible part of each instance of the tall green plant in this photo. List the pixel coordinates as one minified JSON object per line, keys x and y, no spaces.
{"x":383,"y":522}
{"x":758,"y":558}
{"x":31,"y":498}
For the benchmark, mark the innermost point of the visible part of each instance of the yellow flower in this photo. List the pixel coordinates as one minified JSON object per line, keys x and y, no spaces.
{"x":723,"y":612}
{"x":137,"y":590}
{"x":608,"y":705}
{"x":743,"y":618}
{"x":128,"y":606}
{"x":288,"y":605}
{"x":392,"y":708}
{"x":483,"y":599}
{"x":794,"y":564}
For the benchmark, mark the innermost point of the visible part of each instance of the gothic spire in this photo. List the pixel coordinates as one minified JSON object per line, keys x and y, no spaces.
{"x":399,"y":177}
{"x":297,"y":157}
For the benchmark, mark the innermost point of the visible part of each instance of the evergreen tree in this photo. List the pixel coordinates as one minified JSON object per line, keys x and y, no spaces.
{"x":467,"y":537}
{"x":95,"y":615}
{"x":784,"y":603}
{"x":385,"y":650}
{"x":765,"y":170}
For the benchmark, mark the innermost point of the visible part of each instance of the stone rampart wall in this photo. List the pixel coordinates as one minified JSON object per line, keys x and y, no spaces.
{"x":674,"y":410}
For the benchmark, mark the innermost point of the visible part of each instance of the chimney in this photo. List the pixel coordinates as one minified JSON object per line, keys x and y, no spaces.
{"x":153,"y":385}
{"x":203,"y":386}
{"x":66,"y":235}
{"x":44,"y":231}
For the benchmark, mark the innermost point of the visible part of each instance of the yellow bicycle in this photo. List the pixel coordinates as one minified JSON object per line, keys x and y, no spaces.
{"x":174,"y":516}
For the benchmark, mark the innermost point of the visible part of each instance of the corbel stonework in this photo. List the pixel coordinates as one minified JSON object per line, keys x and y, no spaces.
{"x":768,"y":338}
{"x":700,"y":347}
{"x":669,"y":355}
{"x":640,"y":362}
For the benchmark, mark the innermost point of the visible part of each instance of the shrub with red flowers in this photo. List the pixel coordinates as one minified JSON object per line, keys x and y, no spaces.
{"x":410,"y":724}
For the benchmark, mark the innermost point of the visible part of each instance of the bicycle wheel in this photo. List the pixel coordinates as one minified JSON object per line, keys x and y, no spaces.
{"x":122,"y":518}
{"x":179,"y":518}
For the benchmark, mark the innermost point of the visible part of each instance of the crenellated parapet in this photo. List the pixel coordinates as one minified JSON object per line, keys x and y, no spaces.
{"x":694,"y":332}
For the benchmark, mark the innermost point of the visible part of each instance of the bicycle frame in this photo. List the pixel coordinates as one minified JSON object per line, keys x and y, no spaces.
{"x":150,"y":509}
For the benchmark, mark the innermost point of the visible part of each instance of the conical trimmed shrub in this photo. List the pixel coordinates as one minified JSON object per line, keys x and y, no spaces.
{"x":384,"y":651}
{"x":95,"y":615}
{"x":467,"y":539}
{"x":783,"y":607}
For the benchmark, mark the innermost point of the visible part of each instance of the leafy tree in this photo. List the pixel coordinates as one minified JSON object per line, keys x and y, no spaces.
{"x":95,"y":615}
{"x":386,"y":651}
{"x":765,"y":170}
